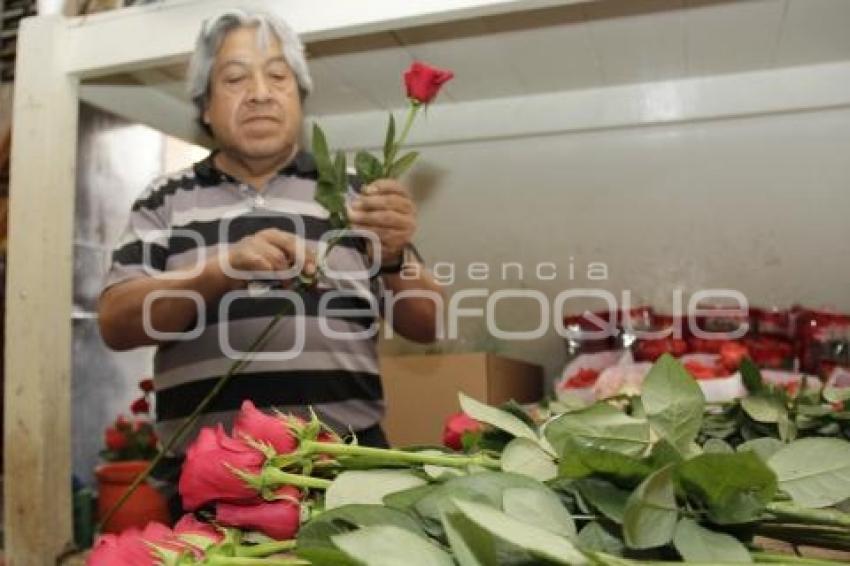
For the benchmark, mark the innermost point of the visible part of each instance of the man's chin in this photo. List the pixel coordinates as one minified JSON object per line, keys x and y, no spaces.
{"x":265,"y":149}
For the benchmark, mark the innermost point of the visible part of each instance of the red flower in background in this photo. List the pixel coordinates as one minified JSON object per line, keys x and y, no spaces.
{"x":115,"y":439}
{"x":423,"y":82}
{"x":140,"y":406}
{"x":208,"y":472}
{"x":279,"y":519}
{"x":582,"y":379}
{"x":732,"y":354}
{"x":259,"y":426}
{"x":456,"y":426}
{"x":146,"y":385}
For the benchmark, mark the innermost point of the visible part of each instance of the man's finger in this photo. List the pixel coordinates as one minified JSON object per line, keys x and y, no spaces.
{"x":380,"y":202}
{"x":386,"y":219}
{"x":386,"y":187}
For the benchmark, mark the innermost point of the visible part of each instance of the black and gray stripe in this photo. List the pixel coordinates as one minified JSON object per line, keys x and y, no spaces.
{"x":337,"y":376}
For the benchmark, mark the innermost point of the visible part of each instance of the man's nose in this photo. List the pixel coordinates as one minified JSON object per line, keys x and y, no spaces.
{"x":260,"y":91}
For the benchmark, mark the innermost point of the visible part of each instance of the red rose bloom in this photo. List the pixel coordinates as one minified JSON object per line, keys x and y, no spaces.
{"x":279,"y":519}
{"x":423,"y":82}
{"x":140,"y":406}
{"x":115,"y":439}
{"x":208,"y":472}
{"x":146,"y":385}
{"x":259,"y":426}
{"x":456,"y":426}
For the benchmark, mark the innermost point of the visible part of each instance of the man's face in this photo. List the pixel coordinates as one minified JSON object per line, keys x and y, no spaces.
{"x":254,"y":108}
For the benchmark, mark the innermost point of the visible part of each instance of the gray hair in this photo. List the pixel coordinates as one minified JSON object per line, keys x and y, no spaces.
{"x":211,"y":37}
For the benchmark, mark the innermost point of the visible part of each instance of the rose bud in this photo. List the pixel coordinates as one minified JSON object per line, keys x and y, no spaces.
{"x":140,"y":406}
{"x":456,"y":426}
{"x":279,"y":519}
{"x":210,"y":470}
{"x":257,"y":425}
{"x":146,"y":385}
{"x":423,"y":82}
{"x":115,"y":439}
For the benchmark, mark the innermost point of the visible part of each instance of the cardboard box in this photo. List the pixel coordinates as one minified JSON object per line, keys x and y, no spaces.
{"x":422,"y":390}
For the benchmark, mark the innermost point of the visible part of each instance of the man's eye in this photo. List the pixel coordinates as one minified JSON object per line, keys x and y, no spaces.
{"x":234,"y":80}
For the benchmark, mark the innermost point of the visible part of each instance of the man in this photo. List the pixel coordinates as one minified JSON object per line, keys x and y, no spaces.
{"x":248,"y":212}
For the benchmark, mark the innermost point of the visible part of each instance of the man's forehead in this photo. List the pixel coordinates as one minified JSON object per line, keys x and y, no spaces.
{"x":247,"y":59}
{"x":245,"y":44}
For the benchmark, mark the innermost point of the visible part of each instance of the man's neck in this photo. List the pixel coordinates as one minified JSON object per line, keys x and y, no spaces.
{"x":255,"y":172}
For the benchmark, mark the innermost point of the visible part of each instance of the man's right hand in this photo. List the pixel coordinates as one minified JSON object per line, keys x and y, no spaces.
{"x":266,"y":251}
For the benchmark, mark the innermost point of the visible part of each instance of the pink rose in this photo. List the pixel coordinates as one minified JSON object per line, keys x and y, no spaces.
{"x":259,"y":426}
{"x":279,"y":519}
{"x":456,"y":426}
{"x":209,"y":470}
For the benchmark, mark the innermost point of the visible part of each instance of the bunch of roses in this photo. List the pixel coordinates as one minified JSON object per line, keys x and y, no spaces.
{"x":239,"y":478}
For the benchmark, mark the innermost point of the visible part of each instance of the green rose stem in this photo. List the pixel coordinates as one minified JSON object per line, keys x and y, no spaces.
{"x":246,"y":561}
{"x":272,"y":476}
{"x":408,"y":123}
{"x":265,"y":549}
{"x":789,"y":511}
{"x":310,"y":447}
{"x":768,"y":558}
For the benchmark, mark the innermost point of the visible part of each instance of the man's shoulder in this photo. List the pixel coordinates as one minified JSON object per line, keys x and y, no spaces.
{"x":165,"y":185}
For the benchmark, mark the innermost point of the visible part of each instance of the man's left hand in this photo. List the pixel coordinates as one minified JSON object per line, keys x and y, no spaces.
{"x":385,"y":208}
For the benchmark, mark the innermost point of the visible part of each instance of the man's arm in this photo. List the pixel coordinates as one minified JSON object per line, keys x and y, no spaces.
{"x":415,"y":317}
{"x":121,"y":307}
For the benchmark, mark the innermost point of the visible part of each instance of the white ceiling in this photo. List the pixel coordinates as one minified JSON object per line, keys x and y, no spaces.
{"x":582,"y":46}
{"x":567,"y":48}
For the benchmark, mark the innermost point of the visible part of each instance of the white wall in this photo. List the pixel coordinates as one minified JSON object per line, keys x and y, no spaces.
{"x":756,"y":204}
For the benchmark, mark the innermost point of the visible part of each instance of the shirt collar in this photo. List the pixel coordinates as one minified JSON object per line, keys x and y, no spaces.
{"x":302,"y":165}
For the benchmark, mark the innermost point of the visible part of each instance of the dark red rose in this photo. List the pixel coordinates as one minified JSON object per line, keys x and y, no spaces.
{"x":140,"y":406}
{"x":208,"y":473}
{"x":146,"y":385}
{"x":456,"y":426}
{"x":115,"y":439}
{"x":423,"y":82}
{"x":732,"y":354}
{"x":261,"y":427}
{"x":279,"y":519}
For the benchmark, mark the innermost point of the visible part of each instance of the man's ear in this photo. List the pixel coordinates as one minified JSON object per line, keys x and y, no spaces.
{"x":205,"y":117}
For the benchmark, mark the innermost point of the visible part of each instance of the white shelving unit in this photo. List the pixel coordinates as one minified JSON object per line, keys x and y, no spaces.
{"x":524,"y":67}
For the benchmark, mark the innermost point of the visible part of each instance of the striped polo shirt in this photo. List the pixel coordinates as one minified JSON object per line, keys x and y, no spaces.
{"x":328,"y":342}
